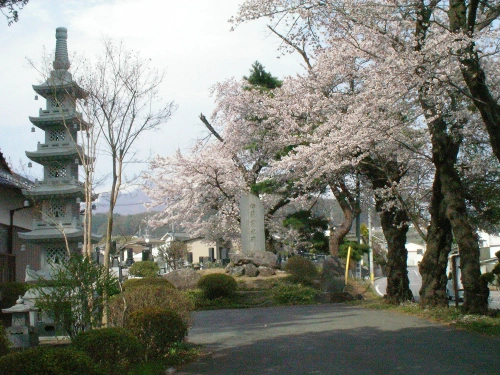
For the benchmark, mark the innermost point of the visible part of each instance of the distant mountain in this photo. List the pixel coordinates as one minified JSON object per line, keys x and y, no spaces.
{"x":128,"y":203}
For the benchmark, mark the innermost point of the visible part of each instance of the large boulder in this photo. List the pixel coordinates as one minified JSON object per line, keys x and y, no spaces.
{"x":184,"y":278}
{"x":258,"y":258}
{"x":236,"y":271}
{"x":251,"y":270}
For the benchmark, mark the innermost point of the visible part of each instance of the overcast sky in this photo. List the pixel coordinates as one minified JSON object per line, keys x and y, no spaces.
{"x":190,"y":39}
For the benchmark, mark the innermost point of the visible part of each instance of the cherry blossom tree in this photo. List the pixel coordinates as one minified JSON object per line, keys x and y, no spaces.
{"x":404,"y":64}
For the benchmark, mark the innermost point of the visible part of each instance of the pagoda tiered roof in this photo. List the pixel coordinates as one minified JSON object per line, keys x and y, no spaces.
{"x":65,"y":118}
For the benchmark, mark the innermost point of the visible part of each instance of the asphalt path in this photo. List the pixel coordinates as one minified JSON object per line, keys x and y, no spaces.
{"x":334,"y":339}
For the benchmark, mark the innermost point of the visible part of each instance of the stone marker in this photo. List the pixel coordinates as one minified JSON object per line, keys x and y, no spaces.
{"x":252,"y":224}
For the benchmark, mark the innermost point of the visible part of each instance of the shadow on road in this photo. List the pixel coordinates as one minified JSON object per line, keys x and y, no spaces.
{"x":334,"y":339}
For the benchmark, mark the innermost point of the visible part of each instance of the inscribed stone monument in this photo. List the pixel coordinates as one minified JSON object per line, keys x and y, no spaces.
{"x":252,"y":224}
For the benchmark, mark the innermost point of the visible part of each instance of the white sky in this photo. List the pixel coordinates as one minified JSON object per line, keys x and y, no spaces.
{"x":190,"y":39}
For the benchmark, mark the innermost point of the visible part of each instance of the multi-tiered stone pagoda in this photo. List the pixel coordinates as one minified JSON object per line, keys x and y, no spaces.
{"x":60,"y":230}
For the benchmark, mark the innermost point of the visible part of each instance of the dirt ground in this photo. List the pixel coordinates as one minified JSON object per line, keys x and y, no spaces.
{"x":245,"y":282}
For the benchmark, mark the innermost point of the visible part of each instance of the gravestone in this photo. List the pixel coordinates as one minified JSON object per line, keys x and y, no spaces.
{"x":252,"y":224}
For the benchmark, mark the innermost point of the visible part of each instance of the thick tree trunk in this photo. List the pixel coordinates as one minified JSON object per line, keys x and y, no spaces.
{"x":435,"y":260}
{"x":475,"y":293}
{"x":475,"y":78}
{"x":382,"y":175}
{"x":463,"y":18}
{"x":347,"y":204}
{"x":445,"y":147}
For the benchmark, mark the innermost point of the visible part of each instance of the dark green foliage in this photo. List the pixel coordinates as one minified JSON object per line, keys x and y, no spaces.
{"x":259,"y":77}
{"x":357,"y":250}
{"x":295,"y":294}
{"x":159,"y":295}
{"x":10,"y":292}
{"x":311,"y":230}
{"x":77,"y":294}
{"x":48,"y":361}
{"x":301,"y":269}
{"x":144,"y":269}
{"x":151,"y":281}
{"x":157,"y":329}
{"x":113,"y":349}
{"x":217,"y":285}
{"x":4,"y":341}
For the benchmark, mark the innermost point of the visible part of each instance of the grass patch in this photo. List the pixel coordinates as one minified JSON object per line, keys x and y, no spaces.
{"x":453,"y":316}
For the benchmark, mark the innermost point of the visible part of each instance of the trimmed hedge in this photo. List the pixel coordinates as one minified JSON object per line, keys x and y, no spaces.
{"x":149,"y":281}
{"x":158,"y":329}
{"x":160,"y":295}
{"x":144,"y":269}
{"x":113,"y":349}
{"x":301,"y":269}
{"x":48,"y":361}
{"x":217,"y":285}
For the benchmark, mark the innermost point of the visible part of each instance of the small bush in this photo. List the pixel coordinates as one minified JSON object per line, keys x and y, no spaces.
{"x":150,"y":281}
{"x":4,"y":341}
{"x":217,"y":285}
{"x":158,"y":329}
{"x":295,"y":294}
{"x":161,"y":295}
{"x":301,"y":269}
{"x":144,"y":269}
{"x":48,"y":361}
{"x":113,"y":349}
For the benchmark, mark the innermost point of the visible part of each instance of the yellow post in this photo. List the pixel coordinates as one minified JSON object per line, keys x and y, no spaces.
{"x":347,"y":264}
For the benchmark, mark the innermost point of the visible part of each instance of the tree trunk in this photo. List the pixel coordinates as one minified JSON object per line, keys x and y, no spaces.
{"x":445,"y":148}
{"x":383,"y":174}
{"x":475,"y":293}
{"x":347,"y":204}
{"x":435,"y":260}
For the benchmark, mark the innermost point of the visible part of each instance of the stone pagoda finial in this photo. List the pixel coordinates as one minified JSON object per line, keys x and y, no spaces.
{"x":61,"y":60}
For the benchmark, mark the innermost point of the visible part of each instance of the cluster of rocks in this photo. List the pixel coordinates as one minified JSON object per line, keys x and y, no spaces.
{"x":261,"y":263}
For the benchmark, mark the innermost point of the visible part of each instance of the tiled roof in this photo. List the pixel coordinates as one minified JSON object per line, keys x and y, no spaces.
{"x":14,"y":180}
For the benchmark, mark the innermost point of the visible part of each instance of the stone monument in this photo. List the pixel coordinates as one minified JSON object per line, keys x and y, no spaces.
{"x":252,"y":224}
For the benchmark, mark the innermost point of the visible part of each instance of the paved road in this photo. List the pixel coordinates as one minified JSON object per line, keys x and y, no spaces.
{"x":334,"y":339}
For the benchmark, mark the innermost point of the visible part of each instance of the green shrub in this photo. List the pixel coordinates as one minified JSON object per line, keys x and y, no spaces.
{"x":161,"y":295}
{"x":158,"y":329}
{"x":113,"y":349}
{"x":150,"y":281}
{"x":144,"y":269}
{"x":4,"y":341}
{"x":295,"y":294}
{"x":301,"y":269}
{"x":217,"y":285}
{"x":48,"y":361}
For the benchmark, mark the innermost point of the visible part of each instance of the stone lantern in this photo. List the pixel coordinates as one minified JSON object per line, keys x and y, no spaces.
{"x":23,"y":333}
